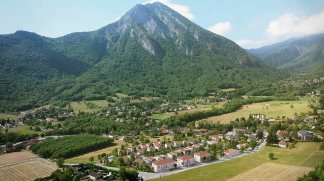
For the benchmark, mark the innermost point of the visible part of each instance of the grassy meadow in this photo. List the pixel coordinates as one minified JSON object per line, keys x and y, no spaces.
{"x":272,"y":109}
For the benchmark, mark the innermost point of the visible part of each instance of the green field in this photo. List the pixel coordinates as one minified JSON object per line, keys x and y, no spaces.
{"x":305,"y":154}
{"x":272,"y":109}
{"x":8,"y":116}
{"x":200,"y":107}
{"x":22,"y":129}
{"x":81,"y":105}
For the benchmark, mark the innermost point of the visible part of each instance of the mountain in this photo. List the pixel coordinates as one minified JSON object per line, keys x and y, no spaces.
{"x":298,"y":55}
{"x":151,"y":50}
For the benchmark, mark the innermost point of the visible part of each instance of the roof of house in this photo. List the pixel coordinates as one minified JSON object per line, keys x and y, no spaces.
{"x":202,"y":153}
{"x":283,"y":142}
{"x":163,"y":162}
{"x":186,"y":157}
{"x":303,"y":132}
{"x":230,"y":151}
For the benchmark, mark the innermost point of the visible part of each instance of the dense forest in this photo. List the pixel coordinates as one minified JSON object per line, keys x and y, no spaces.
{"x":126,"y":57}
{"x":70,"y":146}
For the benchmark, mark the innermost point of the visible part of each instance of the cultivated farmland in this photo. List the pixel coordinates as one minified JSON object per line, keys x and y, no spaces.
{"x":272,"y":172}
{"x":25,"y":166}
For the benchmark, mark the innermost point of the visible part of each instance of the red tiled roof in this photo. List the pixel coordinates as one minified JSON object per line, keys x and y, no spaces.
{"x":230,"y":151}
{"x":162,"y":162}
{"x":283,"y":142}
{"x":202,"y":153}
{"x":186,"y":157}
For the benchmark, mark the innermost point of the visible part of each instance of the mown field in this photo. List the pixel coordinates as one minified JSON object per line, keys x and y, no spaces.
{"x":24,"y":165}
{"x":272,"y":109}
{"x":27,"y":171}
{"x":266,"y":172}
{"x":16,"y":157}
{"x":305,"y":154}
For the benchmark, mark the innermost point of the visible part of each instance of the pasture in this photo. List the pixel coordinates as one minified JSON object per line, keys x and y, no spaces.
{"x":272,"y":109}
{"x":306,"y":154}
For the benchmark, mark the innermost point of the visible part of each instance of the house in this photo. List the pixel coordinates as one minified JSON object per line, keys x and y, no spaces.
{"x":129,"y":150}
{"x":305,"y":135}
{"x":168,"y":145}
{"x":149,"y":160}
{"x":201,"y":156}
{"x":231,"y":153}
{"x":163,"y":165}
{"x":231,"y":136}
{"x":212,"y":142}
{"x":185,"y":161}
{"x":281,"y":134}
{"x":94,"y":176}
{"x":241,"y":146}
{"x":260,"y":117}
{"x":283,"y":144}
{"x":238,"y":130}
{"x":177,"y":143}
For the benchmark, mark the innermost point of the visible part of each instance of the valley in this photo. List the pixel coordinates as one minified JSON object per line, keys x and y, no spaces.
{"x":154,"y":95}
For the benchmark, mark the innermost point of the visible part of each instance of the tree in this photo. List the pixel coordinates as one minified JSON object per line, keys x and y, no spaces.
{"x":60,"y":162}
{"x":91,"y":159}
{"x":122,"y":174}
{"x":9,"y":145}
{"x":259,"y":134}
{"x":271,"y":156}
{"x":321,"y":146}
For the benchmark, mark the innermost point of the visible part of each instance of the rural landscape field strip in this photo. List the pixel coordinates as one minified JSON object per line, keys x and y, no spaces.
{"x":272,"y":109}
{"x":272,"y":172}
{"x":10,"y":158}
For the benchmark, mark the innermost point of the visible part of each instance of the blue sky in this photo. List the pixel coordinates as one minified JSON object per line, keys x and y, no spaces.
{"x":250,"y":23}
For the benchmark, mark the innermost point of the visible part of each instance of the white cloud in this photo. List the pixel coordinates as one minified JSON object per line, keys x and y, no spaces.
{"x":182,"y":9}
{"x":221,"y":28}
{"x":288,"y":26}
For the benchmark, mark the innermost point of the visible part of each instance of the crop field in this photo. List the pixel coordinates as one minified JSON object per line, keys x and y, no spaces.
{"x":272,"y":109}
{"x":24,"y":165}
{"x":27,"y":171}
{"x":266,"y":172}
{"x":16,"y":157}
{"x":306,"y":154}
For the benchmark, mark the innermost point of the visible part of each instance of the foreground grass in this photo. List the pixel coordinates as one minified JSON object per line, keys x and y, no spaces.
{"x":305,"y":154}
{"x":272,"y":109}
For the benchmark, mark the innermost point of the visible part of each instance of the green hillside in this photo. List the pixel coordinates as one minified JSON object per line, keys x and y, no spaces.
{"x":299,"y":55}
{"x":150,"y":51}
